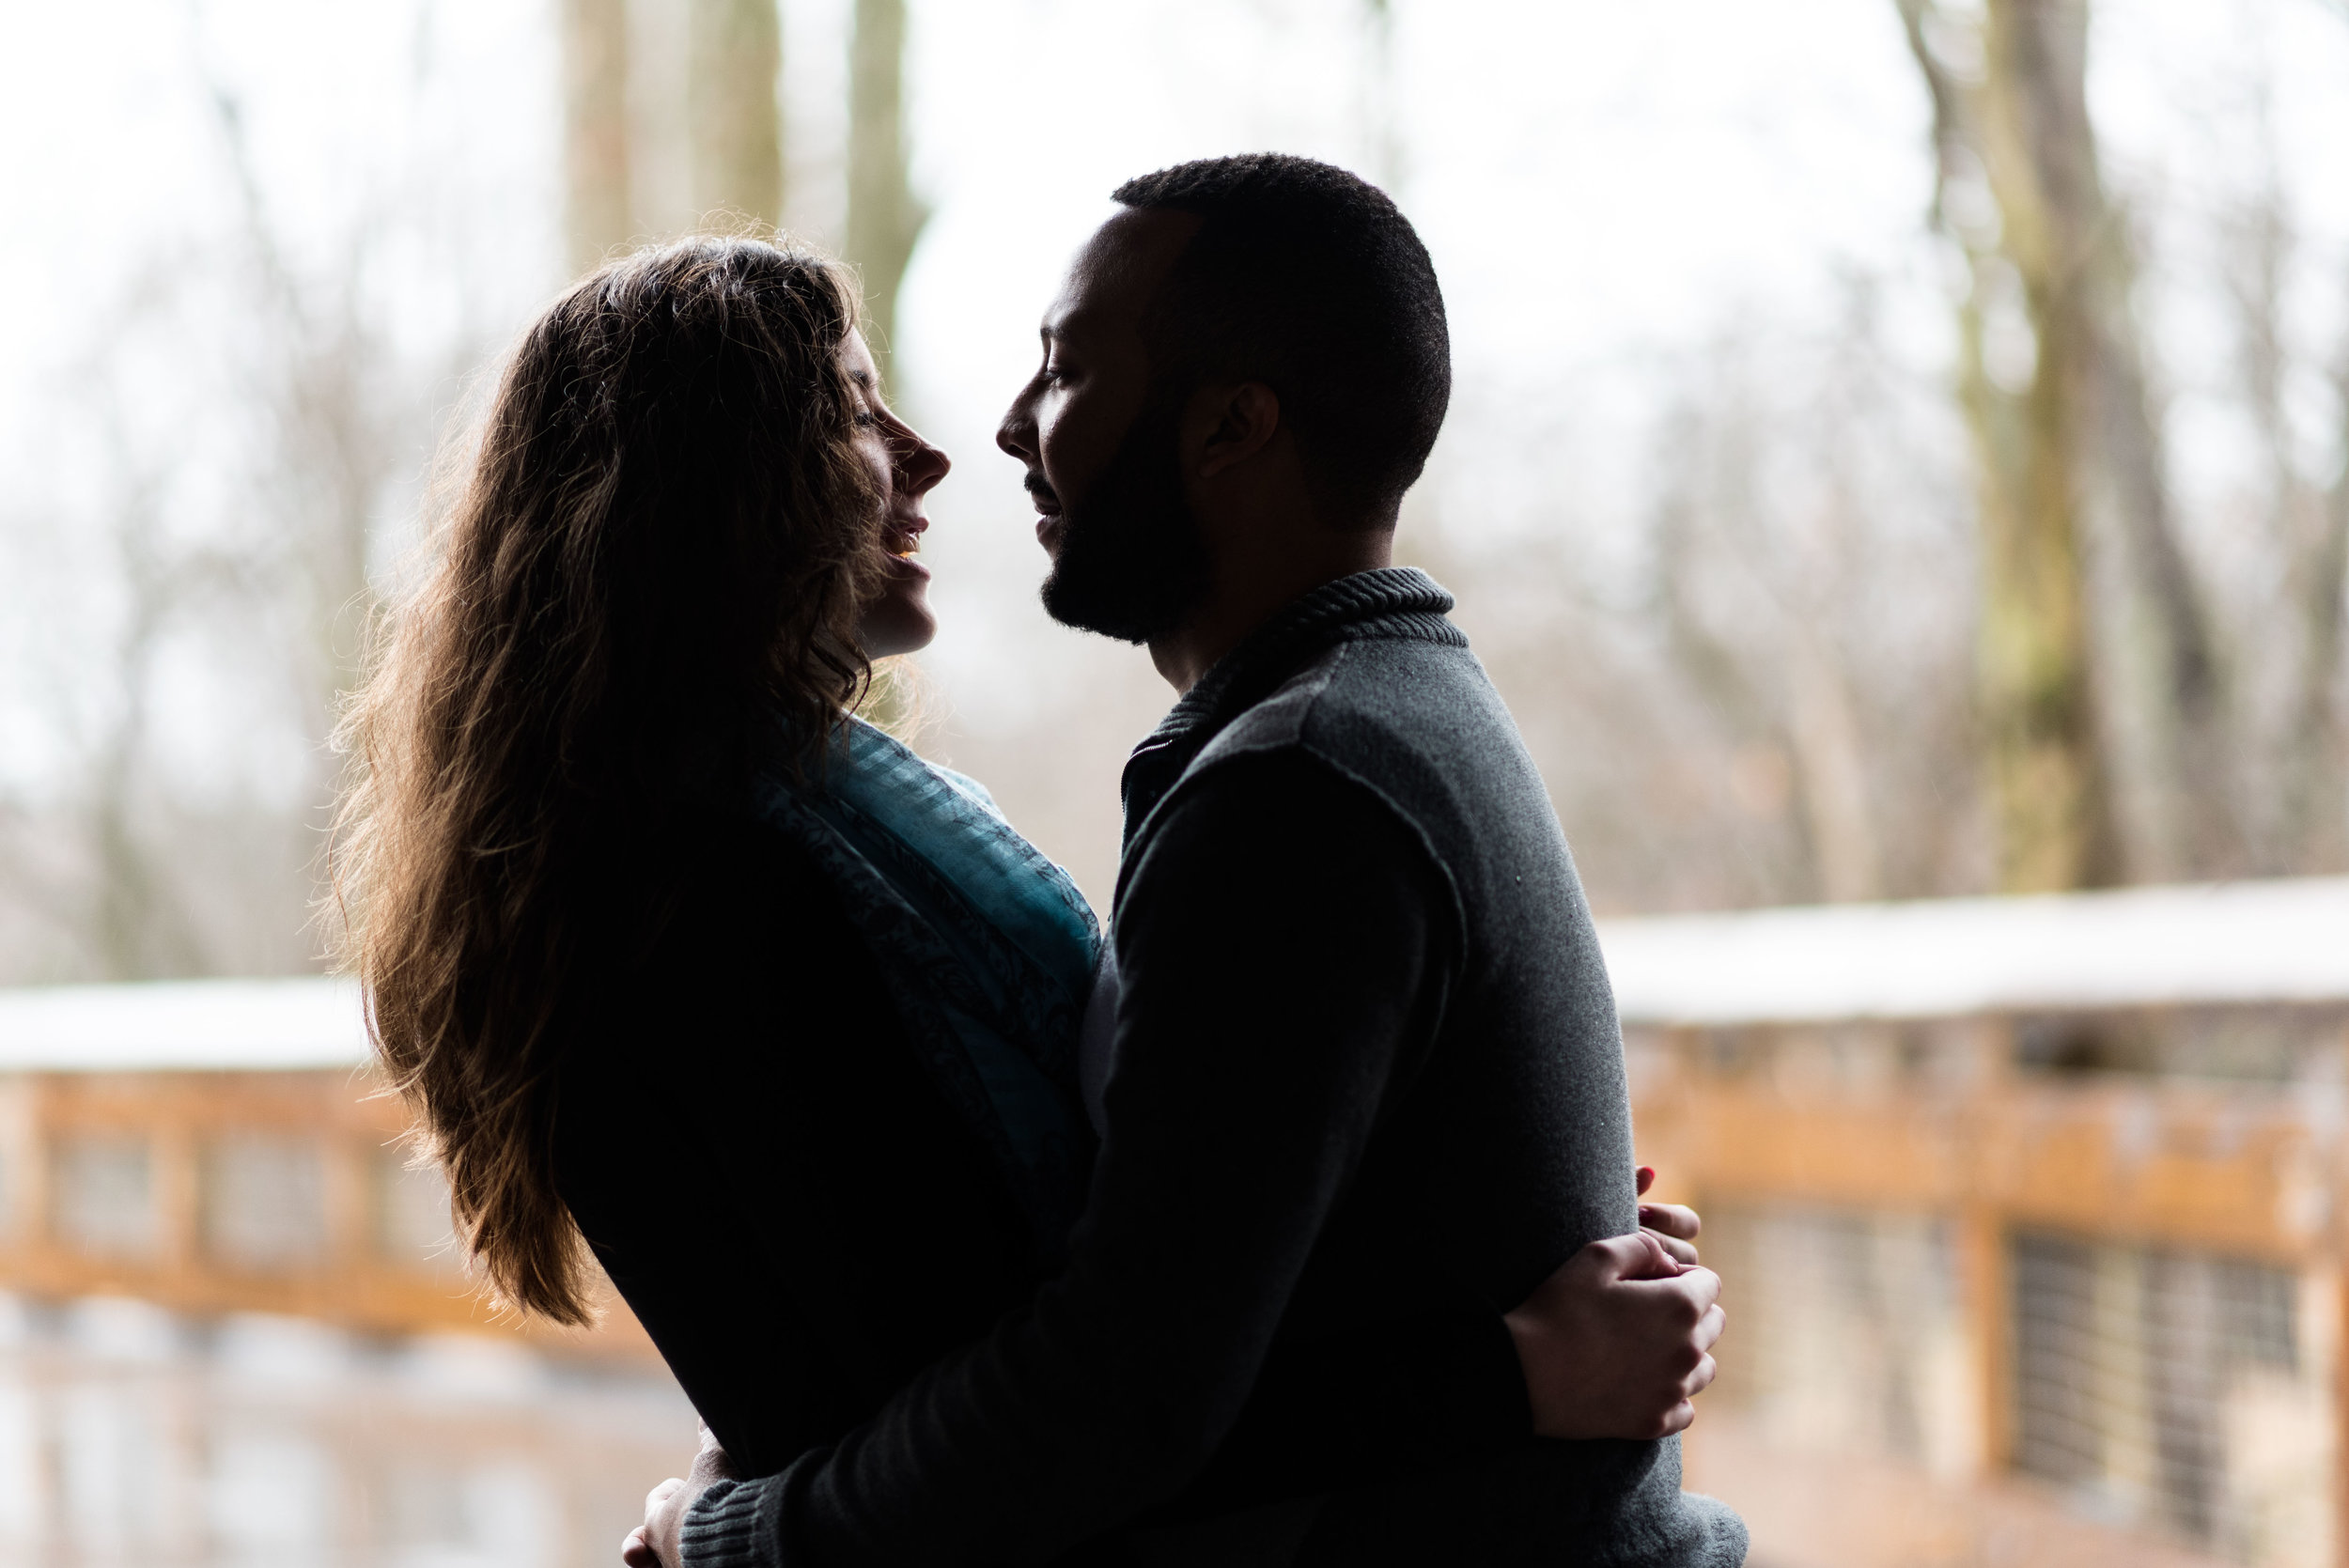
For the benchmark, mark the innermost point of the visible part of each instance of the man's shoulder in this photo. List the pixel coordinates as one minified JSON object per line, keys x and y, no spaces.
{"x":1367,"y":707}
{"x":1267,"y":796}
{"x":1413,"y":723}
{"x":1300,"y":744}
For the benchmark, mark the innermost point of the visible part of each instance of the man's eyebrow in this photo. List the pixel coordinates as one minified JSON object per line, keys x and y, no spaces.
{"x":863,"y":380}
{"x":1083,"y":320}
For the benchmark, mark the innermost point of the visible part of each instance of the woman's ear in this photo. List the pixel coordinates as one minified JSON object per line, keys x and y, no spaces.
{"x":1239,"y":421}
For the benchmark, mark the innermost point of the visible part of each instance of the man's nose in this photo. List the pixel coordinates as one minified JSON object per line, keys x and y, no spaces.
{"x":1016,"y":434}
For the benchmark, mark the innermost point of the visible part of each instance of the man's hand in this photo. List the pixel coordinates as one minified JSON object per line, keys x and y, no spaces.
{"x":1675,"y":1225}
{"x":653,"y":1542}
{"x":1617,"y":1343}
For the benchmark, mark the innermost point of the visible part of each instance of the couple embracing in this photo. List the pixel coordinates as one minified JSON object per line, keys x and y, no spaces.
{"x":1295,"y":1219}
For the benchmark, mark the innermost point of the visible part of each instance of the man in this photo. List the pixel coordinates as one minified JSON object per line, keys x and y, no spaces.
{"x":1365,"y":1061}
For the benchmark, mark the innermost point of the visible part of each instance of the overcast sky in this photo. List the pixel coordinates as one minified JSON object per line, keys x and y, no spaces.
{"x":1603,"y":186}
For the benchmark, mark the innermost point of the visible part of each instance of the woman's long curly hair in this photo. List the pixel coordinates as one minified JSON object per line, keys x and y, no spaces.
{"x":661,"y":549}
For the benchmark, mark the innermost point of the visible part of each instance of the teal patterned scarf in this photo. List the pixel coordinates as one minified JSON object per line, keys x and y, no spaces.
{"x":986,"y":948}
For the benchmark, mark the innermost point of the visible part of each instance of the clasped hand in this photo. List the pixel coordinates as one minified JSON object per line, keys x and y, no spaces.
{"x":1616,"y":1343}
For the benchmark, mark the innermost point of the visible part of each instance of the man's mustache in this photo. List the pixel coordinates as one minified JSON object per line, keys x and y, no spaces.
{"x":1037,"y":487}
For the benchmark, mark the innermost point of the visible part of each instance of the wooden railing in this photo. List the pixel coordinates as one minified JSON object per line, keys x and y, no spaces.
{"x":2248,"y":1171}
{"x":352,"y":1252}
{"x":2245,"y":1171}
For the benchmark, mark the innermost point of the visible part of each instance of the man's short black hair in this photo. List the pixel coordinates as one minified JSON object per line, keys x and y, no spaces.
{"x":1308,"y":279}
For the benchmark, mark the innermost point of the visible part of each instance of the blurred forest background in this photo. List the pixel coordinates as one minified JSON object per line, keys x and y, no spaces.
{"x":1901,"y":446}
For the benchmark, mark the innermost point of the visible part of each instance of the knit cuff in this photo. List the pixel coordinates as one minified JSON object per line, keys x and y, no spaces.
{"x":721,"y":1530}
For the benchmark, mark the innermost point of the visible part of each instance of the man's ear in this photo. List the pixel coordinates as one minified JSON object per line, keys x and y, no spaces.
{"x":1240,"y":421}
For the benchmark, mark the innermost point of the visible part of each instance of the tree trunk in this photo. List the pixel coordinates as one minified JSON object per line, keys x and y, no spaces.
{"x":885,"y":218}
{"x":2050,"y":779}
{"x":2050,"y":786}
{"x":2074,"y":249}
{"x":595,"y":130}
{"x":734,"y":53}
{"x":2070,"y":454}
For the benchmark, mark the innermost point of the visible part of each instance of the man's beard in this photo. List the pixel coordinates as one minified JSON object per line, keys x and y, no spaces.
{"x":1132,"y":562}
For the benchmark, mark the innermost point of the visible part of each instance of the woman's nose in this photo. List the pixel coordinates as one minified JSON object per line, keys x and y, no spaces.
{"x":924,"y":465}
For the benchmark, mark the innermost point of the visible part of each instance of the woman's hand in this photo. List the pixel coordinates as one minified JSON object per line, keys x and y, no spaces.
{"x":1618,"y":1341}
{"x":653,"y":1542}
{"x":1675,"y":1226}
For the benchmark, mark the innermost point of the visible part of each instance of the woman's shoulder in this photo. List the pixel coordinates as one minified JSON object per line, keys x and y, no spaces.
{"x":759,"y":1019}
{"x":736,"y":932}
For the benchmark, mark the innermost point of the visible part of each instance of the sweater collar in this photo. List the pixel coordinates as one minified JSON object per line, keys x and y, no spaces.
{"x":1392,"y":601}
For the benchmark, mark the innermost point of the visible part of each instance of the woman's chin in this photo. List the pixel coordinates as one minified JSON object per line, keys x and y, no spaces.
{"x":897,"y":625}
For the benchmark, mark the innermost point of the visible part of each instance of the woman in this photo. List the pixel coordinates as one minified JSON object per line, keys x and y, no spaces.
{"x":670,"y":954}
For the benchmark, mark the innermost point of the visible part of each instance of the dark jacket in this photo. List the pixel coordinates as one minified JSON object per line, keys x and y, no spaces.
{"x":802,"y":1222}
{"x":1367,"y":1067}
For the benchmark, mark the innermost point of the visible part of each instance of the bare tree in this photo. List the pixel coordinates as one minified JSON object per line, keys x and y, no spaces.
{"x":596,"y":178}
{"x":136,"y":924}
{"x":1781,"y":549}
{"x":734,"y":55}
{"x":2069,"y":451}
{"x":120,"y":872}
{"x":2319,"y":764}
{"x":885,"y":218}
{"x":2299,"y":825}
{"x":234,"y":526}
{"x":323,"y":376}
{"x":1774,"y":706}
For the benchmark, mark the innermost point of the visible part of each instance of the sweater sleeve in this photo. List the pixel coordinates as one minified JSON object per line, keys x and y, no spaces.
{"x":1284,"y":942}
{"x":1384,"y":1398}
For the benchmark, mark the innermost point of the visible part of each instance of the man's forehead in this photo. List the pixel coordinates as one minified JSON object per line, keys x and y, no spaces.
{"x":1118,"y":271}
